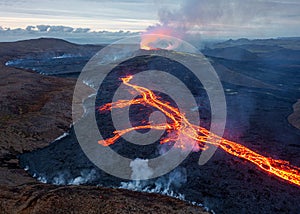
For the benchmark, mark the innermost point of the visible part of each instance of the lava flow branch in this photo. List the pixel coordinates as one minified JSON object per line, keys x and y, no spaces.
{"x":196,"y":135}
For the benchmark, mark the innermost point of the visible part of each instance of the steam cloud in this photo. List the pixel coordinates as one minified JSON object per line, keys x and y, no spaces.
{"x":164,"y":185}
{"x":194,"y":13}
{"x":140,"y":169}
{"x":65,"y":178}
{"x":224,"y":17}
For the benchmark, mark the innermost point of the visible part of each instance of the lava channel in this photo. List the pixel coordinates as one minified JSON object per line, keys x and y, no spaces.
{"x":180,"y":126}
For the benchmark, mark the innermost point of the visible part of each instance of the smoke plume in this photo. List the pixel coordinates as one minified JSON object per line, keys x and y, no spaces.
{"x":219,"y":17}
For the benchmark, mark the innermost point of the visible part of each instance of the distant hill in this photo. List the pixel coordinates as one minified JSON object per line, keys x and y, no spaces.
{"x":49,"y":45}
{"x":292,"y":43}
{"x":286,"y":49}
{"x":232,"y":53}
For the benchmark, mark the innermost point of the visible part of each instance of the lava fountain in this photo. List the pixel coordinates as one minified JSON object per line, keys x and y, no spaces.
{"x":196,"y":135}
{"x":159,"y":38}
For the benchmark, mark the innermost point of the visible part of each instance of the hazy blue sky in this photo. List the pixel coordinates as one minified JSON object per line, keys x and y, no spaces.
{"x":219,"y":18}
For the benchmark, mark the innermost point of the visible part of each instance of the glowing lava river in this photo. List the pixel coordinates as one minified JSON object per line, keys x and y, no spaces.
{"x":197,"y":135}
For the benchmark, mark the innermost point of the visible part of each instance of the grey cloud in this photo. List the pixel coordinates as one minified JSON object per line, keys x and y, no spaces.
{"x":30,"y":28}
{"x":60,"y":29}
{"x":43,"y":28}
{"x":77,"y":35}
{"x":82,"y":30}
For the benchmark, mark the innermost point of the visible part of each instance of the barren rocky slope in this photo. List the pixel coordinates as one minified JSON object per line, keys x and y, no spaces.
{"x":36,"y":109}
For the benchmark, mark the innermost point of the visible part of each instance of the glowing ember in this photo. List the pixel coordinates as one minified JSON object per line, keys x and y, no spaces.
{"x":196,"y":135}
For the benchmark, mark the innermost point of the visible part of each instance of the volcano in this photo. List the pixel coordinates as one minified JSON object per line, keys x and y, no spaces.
{"x":256,"y":90}
{"x":35,"y":110}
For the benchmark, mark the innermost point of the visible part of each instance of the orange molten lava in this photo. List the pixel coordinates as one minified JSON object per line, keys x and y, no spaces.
{"x":180,"y":126}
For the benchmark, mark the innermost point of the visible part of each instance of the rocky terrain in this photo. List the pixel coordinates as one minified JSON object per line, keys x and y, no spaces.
{"x":35,"y":110}
{"x":294,"y":118}
{"x":260,"y":80}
